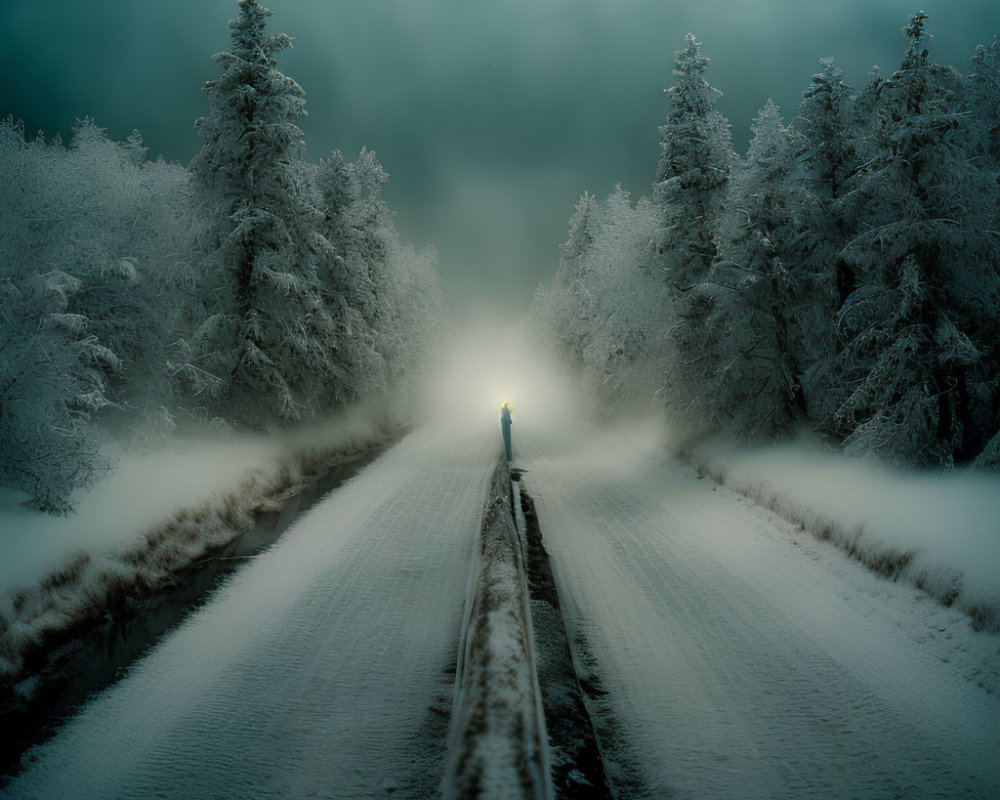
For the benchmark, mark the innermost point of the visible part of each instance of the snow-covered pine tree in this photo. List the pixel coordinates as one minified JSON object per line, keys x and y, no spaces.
{"x":760,"y":302}
{"x":572,"y":304}
{"x":920,"y":327}
{"x":358,"y":225}
{"x":983,"y":96}
{"x":696,"y":154}
{"x":384,"y":298}
{"x":823,"y":127}
{"x":826,"y":157}
{"x":696,"y":157}
{"x":625,"y":334}
{"x":122,"y":241}
{"x":346,"y":281}
{"x":52,"y":368}
{"x":267,"y":331}
{"x":93,"y":247}
{"x":52,"y":385}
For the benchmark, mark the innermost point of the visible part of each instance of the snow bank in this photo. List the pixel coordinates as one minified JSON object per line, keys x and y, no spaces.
{"x":157,"y":515}
{"x":497,"y":743}
{"x":939,"y":531}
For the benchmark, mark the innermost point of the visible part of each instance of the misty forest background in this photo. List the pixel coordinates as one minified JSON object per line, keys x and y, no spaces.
{"x":841,"y":276}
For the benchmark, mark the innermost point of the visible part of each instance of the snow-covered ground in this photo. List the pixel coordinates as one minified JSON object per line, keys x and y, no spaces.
{"x":313,"y":671}
{"x":146,"y":488}
{"x":742,"y":656}
{"x":940,"y":532}
{"x":158,"y":514}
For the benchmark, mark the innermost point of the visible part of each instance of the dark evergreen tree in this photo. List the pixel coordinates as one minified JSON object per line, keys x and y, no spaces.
{"x":983,"y":94}
{"x":823,"y":128}
{"x":825,"y":141}
{"x":761,"y":308}
{"x":919,"y":329}
{"x":696,"y":157}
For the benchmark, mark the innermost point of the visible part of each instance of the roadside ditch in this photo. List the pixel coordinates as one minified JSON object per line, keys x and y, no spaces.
{"x":82,"y":628}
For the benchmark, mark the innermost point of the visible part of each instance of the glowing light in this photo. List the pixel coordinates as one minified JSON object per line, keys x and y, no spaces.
{"x":495,"y":360}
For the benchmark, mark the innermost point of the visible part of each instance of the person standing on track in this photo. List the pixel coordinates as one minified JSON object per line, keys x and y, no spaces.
{"x":505,"y":422}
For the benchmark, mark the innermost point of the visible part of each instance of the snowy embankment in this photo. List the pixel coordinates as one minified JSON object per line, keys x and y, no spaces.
{"x":938,"y":532}
{"x":497,"y":742}
{"x":157,"y":516}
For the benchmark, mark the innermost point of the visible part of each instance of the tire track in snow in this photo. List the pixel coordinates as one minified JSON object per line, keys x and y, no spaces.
{"x":312,"y":672}
{"x":720,"y":692}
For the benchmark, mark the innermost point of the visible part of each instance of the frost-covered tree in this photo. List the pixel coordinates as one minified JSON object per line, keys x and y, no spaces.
{"x":52,"y":385}
{"x":758,"y":328}
{"x":414,"y":315}
{"x":130,"y":247}
{"x":358,"y":225}
{"x":920,"y":327}
{"x":53,"y":370}
{"x":133,"y":297}
{"x":983,"y":94}
{"x":604,"y":312}
{"x":102,"y":214}
{"x":823,"y":125}
{"x":347,"y":278}
{"x":696,"y":155}
{"x":625,"y":347}
{"x":572,"y":309}
{"x":267,"y":329}
{"x":384,"y":298}
{"x":824,"y":129}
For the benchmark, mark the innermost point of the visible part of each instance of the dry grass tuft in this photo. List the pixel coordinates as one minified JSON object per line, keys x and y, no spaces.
{"x":68,"y":575}
{"x":893,"y":563}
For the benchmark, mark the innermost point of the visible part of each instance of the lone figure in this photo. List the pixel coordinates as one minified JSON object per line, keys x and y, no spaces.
{"x":505,"y":423}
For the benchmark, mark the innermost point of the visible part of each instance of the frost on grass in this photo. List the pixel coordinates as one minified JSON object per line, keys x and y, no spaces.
{"x":99,"y":572}
{"x":937,"y":532}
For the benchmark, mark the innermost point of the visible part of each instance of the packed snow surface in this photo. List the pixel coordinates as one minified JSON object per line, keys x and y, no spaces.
{"x":741,"y":656}
{"x":744,"y":658}
{"x":312,"y":672}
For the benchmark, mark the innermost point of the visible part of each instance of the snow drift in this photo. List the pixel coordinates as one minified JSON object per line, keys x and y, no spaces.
{"x":936,"y":531}
{"x":156,"y":517}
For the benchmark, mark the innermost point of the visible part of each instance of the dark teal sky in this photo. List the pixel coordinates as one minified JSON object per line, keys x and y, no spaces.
{"x":490,"y":117}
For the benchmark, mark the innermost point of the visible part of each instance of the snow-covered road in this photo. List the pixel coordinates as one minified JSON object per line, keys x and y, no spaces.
{"x":744,"y":659}
{"x":727,"y":655}
{"x":313,"y":672}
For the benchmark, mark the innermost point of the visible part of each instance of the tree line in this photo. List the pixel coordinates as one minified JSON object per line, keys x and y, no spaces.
{"x":843,"y":275}
{"x":251,"y":289}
